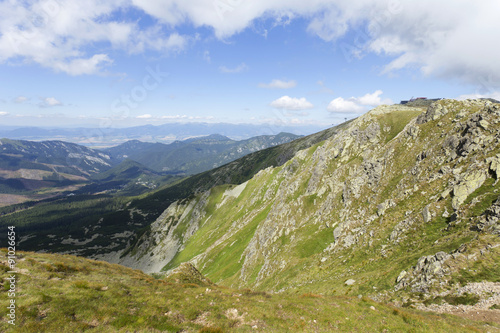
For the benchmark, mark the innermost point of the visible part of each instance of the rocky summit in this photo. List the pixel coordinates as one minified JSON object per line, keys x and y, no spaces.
{"x":400,"y":205}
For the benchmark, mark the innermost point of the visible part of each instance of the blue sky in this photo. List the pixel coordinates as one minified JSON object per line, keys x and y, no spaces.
{"x":124,"y":63}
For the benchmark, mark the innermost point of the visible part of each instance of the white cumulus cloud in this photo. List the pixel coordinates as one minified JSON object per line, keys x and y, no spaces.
{"x":494,"y":95}
{"x":279,"y":84}
{"x":3,"y":113}
{"x":291,"y":103}
{"x":345,"y":106}
{"x":61,"y":35}
{"x":452,"y":39}
{"x":372,"y":99}
{"x":357,"y":104}
{"x":144,"y":116}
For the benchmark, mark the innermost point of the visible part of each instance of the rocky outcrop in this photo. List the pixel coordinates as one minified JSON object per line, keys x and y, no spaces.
{"x":490,"y":220}
{"x":434,"y":112}
{"x":187,"y":273}
{"x":495,"y":165}
{"x":427,"y":271}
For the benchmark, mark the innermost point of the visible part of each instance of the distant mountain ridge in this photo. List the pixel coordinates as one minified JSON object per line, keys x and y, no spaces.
{"x":194,"y":155}
{"x":166,"y":133}
{"x":38,"y":170}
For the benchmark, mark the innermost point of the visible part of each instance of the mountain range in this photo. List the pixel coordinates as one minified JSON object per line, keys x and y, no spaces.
{"x":36,"y":170}
{"x":109,"y":136}
{"x":399,"y":207}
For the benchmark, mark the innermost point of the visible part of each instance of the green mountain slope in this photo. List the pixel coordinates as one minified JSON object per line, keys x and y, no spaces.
{"x":55,"y":156}
{"x":38,"y":170}
{"x":401,"y":203}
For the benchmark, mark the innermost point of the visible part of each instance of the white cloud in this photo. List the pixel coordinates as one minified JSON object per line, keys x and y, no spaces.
{"x":372,"y":99}
{"x":240,"y":68}
{"x":279,"y":84}
{"x":292,"y":104}
{"x":62,"y":35}
{"x":49,"y":102}
{"x":92,"y":65}
{"x":20,"y":99}
{"x":345,"y":106}
{"x":152,"y":39}
{"x":357,"y":104}
{"x":449,"y":38}
{"x":145,"y":116}
{"x":494,"y":95}
{"x":3,"y":113}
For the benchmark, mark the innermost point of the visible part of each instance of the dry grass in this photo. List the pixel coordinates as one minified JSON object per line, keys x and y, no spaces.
{"x":62,"y":293}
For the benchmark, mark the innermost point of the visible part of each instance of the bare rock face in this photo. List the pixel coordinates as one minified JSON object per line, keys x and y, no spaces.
{"x":162,"y":241}
{"x":350,"y":282}
{"x":468,"y":184}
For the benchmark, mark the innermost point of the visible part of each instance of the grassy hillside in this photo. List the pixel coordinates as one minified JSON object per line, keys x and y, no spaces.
{"x":61,"y":293}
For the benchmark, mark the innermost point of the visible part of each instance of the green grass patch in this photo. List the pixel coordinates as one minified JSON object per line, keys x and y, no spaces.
{"x":396,"y":120}
{"x":226,"y":260}
{"x":313,"y":242}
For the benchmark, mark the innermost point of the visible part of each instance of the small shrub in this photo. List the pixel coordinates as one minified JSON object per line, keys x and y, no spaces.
{"x":46,"y":298}
{"x":81,"y":284}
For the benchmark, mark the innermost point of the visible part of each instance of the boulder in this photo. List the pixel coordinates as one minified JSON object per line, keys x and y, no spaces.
{"x":350,"y":282}
{"x":426,"y":214}
{"x":469,"y":183}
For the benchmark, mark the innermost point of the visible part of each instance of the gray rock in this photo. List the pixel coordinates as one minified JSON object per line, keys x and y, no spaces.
{"x":401,"y":276}
{"x":467,"y":185}
{"x":495,"y":165}
{"x":350,"y":282}
{"x":384,"y":206}
{"x":426,"y":214}
{"x":434,"y":112}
